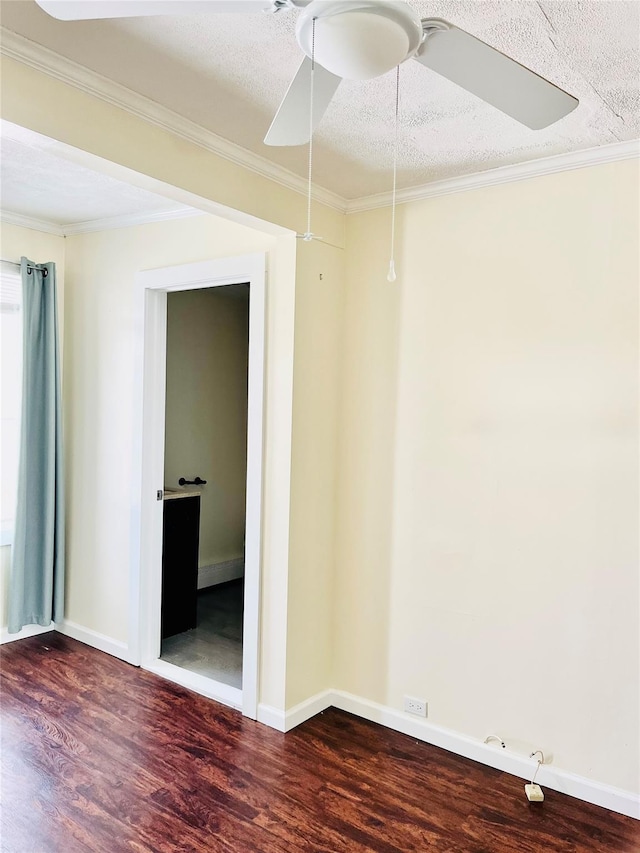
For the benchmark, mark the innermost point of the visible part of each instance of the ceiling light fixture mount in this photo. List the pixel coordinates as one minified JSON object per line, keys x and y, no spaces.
{"x":360,"y":40}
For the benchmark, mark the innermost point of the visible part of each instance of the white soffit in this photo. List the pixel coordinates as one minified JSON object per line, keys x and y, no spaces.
{"x":42,"y":190}
{"x":227,"y":73}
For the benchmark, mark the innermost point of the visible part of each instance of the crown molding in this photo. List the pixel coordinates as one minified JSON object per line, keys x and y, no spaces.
{"x":93,"y":225}
{"x":111,"y":222}
{"x":611,"y":153}
{"x":67,"y":71}
{"x":59,"y":67}
{"x":32,"y":223}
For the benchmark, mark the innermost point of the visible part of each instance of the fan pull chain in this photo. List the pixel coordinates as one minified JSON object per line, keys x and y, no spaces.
{"x":308,"y":235}
{"x":391,"y":275}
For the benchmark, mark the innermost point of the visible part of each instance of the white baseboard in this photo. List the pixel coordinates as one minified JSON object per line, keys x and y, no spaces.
{"x":307,"y":709}
{"x":272,"y":717}
{"x":615,"y":799}
{"x":284,"y":721}
{"x":217,"y":573}
{"x":27,"y":631}
{"x":116,"y":648}
{"x":606,"y":796}
{"x":517,"y":764}
{"x":76,"y":632}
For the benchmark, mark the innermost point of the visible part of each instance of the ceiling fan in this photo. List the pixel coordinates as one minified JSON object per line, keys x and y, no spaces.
{"x":358,"y":40}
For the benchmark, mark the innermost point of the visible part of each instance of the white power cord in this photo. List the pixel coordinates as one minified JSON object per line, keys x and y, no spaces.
{"x":391,"y":275}
{"x":534,"y":792}
{"x":308,"y":235}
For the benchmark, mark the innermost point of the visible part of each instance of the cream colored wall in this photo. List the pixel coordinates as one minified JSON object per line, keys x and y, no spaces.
{"x":316,"y":400}
{"x":16,"y":241}
{"x":206,"y":412}
{"x":99,"y":388}
{"x":41,"y":103}
{"x":486,"y":500}
{"x":5,"y":573}
{"x":99,"y":366}
{"x":488,"y":496}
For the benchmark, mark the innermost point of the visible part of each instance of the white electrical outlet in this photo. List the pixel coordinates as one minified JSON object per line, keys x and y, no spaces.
{"x":415,"y":706}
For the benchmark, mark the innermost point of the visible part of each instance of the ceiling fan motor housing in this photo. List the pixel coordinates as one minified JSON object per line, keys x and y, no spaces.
{"x":359,"y":40}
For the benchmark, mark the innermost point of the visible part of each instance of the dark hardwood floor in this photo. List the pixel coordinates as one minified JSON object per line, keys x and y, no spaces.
{"x":100,"y":756}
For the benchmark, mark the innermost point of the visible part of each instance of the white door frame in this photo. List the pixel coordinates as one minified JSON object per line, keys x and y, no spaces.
{"x":148,"y":467}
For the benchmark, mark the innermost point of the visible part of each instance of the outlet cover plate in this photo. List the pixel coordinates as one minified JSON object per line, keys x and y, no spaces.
{"x":418,"y":707}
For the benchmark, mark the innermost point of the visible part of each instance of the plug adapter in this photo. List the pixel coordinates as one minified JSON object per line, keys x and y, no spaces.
{"x":534,"y":793}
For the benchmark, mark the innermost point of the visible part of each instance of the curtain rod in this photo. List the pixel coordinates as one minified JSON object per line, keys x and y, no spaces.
{"x":18,"y":264}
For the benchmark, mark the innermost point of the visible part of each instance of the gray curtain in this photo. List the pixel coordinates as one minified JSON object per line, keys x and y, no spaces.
{"x":36,"y":590}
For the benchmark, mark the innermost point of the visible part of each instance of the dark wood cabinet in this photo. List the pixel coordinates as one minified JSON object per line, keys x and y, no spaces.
{"x":180,"y":542}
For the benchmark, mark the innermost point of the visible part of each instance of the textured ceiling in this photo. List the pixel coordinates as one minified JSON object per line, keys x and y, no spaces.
{"x":36,"y":183}
{"x":229,"y":72}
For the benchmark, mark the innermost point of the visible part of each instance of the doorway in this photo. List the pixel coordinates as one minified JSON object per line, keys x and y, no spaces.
{"x":213,"y":494}
{"x":205,"y":472}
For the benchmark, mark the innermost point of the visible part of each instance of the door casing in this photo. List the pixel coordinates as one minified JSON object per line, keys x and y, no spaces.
{"x":152,"y":287}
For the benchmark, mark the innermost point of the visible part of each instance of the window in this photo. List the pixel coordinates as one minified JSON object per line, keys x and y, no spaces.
{"x":10,"y":394}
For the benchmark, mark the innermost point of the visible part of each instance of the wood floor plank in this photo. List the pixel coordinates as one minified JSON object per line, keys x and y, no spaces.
{"x":102,"y":757}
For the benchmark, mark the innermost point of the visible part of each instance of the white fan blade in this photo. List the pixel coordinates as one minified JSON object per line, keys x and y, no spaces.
{"x":494,"y":77}
{"x":291,"y":124}
{"x":84,"y":10}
